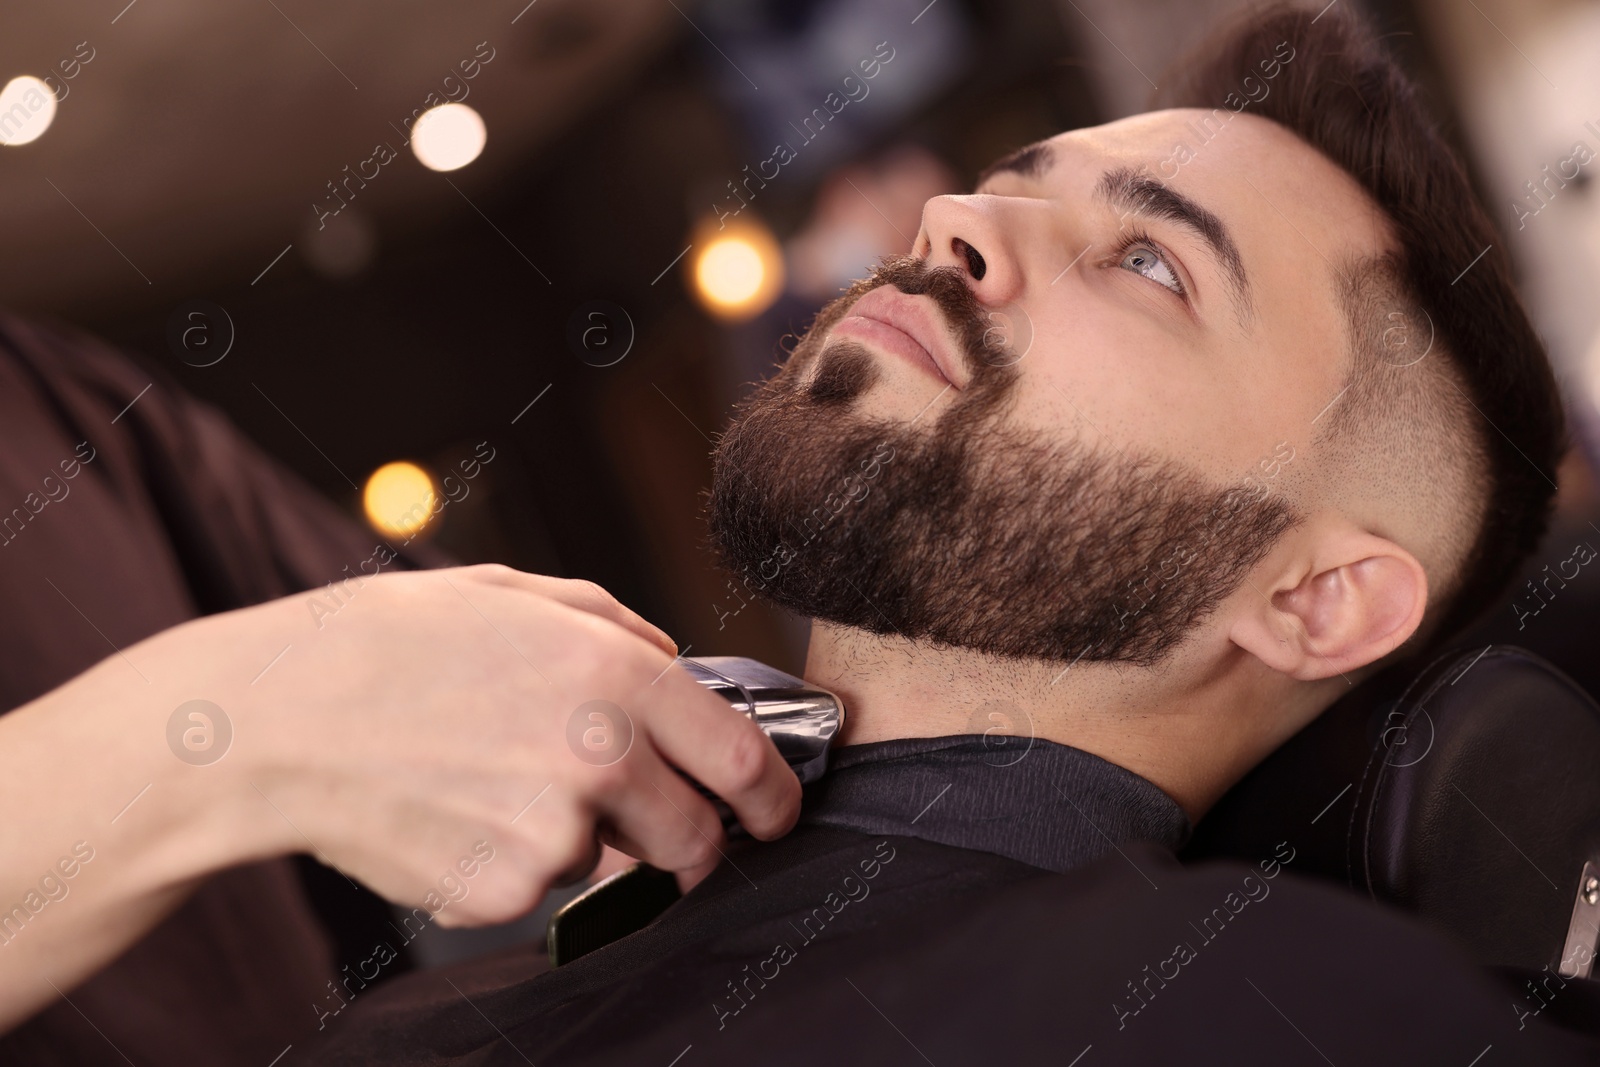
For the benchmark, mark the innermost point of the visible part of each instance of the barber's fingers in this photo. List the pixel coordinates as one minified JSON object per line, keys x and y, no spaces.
{"x":618,"y":855}
{"x":658,"y":817}
{"x":725,"y":752}
{"x":575,"y":593}
{"x":551,"y":844}
{"x":613,"y":860}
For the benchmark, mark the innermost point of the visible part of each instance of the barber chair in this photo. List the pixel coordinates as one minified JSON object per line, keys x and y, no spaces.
{"x":1467,"y":794}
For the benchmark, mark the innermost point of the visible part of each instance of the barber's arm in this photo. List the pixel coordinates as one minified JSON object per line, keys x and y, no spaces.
{"x":422,"y":729}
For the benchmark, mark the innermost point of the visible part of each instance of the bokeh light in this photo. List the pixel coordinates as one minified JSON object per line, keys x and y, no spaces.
{"x":399,"y":499}
{"x":737,"y":273}
{"x":448,"y":137}
{"x":27,"y":108}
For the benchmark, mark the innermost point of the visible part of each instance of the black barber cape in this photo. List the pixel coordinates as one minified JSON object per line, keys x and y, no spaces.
{"x":947,"y":902}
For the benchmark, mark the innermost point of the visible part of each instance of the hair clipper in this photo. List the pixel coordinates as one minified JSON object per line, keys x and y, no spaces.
{"x":800,"y":718}
{"x":802,"y":721}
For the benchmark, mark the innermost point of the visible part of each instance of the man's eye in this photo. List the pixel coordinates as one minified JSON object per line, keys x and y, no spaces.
{"x":1141,"y":257}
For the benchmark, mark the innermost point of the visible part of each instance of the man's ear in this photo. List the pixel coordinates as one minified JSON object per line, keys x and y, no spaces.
{"x":1355,"y":600}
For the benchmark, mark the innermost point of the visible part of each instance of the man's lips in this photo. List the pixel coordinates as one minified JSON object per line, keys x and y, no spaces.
{"x":907,"y":326}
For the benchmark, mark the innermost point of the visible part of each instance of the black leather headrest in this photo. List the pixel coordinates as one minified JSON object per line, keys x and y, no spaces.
{"x":1467,"y":792}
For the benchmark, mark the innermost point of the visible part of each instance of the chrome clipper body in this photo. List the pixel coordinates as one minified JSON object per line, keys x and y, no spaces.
{"x":801,"y":718}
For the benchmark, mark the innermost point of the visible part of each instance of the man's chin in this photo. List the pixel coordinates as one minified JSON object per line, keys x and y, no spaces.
{"x":869,"y":384}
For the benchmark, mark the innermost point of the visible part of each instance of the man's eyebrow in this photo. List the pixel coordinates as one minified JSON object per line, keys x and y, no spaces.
{"x":1030,"y":161}
{"x":1136,"y":192}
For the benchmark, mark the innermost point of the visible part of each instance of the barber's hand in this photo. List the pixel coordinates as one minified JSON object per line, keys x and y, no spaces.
{"x":435,"y":738}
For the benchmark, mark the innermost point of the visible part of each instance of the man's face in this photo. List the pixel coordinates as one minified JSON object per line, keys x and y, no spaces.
{"x":1058,"y":428}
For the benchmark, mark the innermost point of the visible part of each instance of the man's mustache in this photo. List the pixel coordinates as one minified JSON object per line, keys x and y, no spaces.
{"x":959,"y":307}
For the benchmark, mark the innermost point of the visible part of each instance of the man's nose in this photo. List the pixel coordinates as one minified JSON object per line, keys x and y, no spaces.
{"x":969,"y":234}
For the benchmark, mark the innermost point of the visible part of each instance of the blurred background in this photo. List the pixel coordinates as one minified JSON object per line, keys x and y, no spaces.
{"x":380,"y":235}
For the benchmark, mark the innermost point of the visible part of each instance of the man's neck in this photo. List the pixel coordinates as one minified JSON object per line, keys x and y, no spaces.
{"x":1192,"y":731}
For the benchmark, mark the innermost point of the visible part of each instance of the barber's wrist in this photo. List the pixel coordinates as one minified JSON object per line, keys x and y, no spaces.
{"x":176,"y":749}
{"x":254,"y":786}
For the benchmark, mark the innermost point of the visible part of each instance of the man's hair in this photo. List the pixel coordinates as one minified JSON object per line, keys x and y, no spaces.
{"x":1469,"y":433}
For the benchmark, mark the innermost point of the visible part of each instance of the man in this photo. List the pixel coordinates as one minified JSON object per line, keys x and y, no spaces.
{"x":1155,"y":444}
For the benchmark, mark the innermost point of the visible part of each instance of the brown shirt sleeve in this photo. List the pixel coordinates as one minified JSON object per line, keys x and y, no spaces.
{"x":128,"y":507}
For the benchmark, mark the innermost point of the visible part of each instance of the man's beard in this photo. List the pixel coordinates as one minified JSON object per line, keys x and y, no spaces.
{"x":962,"y":530}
